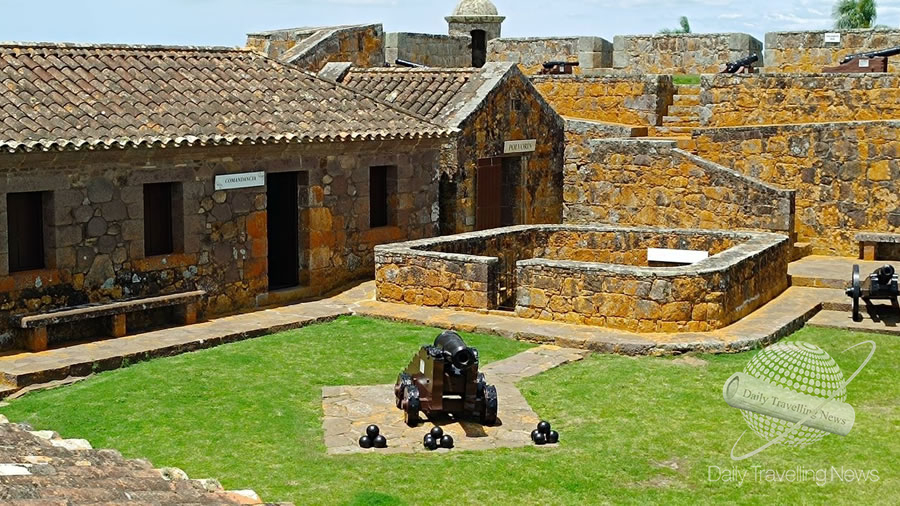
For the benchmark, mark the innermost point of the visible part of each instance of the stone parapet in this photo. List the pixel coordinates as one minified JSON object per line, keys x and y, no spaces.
{"x":532,"y":52}
{"x":692,"y":53}
{"x":776,"y":99}
{"x":640,"y":100}
{"x":846,"y":175}
{"x":312,"y":48}
{"x":442,"y":51}
{"x":808,"y":52}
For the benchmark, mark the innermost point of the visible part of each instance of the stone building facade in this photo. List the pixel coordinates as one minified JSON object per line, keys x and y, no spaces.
{"x":206,"y":175}
{"x":489,"y":178}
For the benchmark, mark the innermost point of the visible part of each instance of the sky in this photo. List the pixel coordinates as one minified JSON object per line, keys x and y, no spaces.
{"x":226,"y":22}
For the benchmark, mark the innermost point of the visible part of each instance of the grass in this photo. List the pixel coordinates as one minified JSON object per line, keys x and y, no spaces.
{"x":685,"y":79}
{"x":634,"y":430}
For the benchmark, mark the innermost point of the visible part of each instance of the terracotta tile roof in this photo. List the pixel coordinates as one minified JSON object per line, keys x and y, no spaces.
{"x":60,"y":96}
{"x":444,"y":96}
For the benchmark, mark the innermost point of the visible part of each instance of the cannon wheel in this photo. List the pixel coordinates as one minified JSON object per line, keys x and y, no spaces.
{"x":489,"y":416}
{"x":855,"y":293}
{"x":411,"y":405}
{"x":403,"y":381}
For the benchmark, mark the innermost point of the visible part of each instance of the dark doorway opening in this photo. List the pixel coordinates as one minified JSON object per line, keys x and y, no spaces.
{"x":25,"y":231}
{"x":479,"y":48}
{"x":283,"y":229}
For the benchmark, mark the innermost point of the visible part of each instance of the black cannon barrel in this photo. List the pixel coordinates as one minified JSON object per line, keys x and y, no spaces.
{"x":455,"y":349}
{"x":732,"y":67}
{"x":872,"y":54}
{"x":885,"y":274}
{"x":551,"y":64}
{"x":405,"y":63}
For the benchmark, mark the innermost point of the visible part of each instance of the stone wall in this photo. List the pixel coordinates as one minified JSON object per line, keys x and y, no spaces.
{"x":705,"y":296}
{"x":96,"y":222}
{"x":775,"y":99}
{"x":312,"y":48}
{"x":531,"y":53}
{"x":808,"y":51}
{"x":651,"y":183}
{"x":632,"y":100}
{"x":431,"y":50}
{"x":510,"y":110}
{"x":846,"y":175}
{"x":595,"y":275}
{"x":692,"y":53}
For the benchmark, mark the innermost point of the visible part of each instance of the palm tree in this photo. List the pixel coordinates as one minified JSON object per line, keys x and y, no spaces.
{"x":850,"y":14}
{"x":685,"y":27}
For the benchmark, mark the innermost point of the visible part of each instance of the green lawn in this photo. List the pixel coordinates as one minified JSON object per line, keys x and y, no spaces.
{"x":634,"y":430}
{"x":685,"y":79}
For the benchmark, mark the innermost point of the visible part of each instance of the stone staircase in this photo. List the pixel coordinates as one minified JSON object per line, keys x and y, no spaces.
{"x":683,"y":115}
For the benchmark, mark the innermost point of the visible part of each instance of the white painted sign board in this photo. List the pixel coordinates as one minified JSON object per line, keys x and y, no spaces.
{"x":526,"y":146}
{"x":676,"y":256}
{"x":863,"y":63}
{"x":832,"y":38}
{"x":243,"y":180}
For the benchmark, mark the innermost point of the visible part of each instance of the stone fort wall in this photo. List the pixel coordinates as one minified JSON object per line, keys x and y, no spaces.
{"x":808,"y":51}
{"x":632,"y":100}
{"x":681,"y":53}
{"x":442,"y":51}
{"x":311,"y":49}
{"x":532,"y":52}
{"x":774,"y":99}
{"x":846,"y":175}
{"x":652,"y":183}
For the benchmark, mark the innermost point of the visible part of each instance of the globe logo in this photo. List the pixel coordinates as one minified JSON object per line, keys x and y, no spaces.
{"x":799,"y":367}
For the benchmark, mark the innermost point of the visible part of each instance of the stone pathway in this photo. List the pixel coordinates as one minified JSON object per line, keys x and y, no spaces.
{"x":828,"y":272}
{"x":350,"y":409}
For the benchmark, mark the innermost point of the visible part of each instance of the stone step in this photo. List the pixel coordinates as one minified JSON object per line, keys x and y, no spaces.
{"x":672,"y":131}
{"x":679,"y":121}
{"x":801,"y":249}
{"x":685,"y":111}
{"x":7,"y":390}
{"x":686,"y":100}
{"x":688,"y":89}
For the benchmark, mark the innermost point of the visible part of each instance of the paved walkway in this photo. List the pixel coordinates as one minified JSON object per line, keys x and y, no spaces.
{"x":350,"y":409}
{"x":780,"y":317}
{"x":828,"y":272}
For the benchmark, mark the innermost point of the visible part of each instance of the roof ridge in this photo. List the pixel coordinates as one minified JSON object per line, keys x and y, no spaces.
{"x":146,"y":47}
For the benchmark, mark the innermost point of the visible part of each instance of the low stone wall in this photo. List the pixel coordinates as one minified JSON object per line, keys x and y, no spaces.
{"x":652,"y":183}
{"x":808,"y":51}
{"x":594,"y":275}
{"x":777,"y":99}
{"x":312,"y":48}
{"x":531,"y":53}
{"x":633,"y":100}
{"x":579,"y":133}
{"x":705,"y":296}
{"x":442,"y":51}
{"x":846,"y":175}
{"x":693,"y":53}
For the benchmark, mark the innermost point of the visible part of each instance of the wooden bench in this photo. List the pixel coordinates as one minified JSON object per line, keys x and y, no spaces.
{"x":34,"y":327}
{"x":661,"y":257}
{"x":869,"y":241}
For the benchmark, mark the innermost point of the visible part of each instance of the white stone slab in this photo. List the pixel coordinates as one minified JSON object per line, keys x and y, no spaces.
{"x":676,"y":256}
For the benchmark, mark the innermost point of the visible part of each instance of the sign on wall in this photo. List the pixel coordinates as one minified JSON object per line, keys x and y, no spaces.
{"x":525,"y":146}
{"x":832,"y":38}
{"x":243,"y":180}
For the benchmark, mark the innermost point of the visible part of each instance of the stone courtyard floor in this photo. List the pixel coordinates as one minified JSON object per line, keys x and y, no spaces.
{"x":780,"y":317}
{"x":350,"y":409}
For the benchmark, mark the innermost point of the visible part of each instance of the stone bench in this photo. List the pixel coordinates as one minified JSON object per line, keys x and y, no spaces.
{"x":34,"y":327}
{"x":869,"y":241}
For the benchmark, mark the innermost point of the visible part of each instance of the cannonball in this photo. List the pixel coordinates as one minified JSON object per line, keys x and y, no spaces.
{"x":540,"y":439}
{"x":447,"y":441}
{"x":380,"y":441}
{"x":437,"y":432}
{"x":372,"y":431}
{"x":365,"y":442}
{"x":430,"y":442}
{"x":534,"y":434}
{"x":544,"y":427}
{"x":553,"y":437}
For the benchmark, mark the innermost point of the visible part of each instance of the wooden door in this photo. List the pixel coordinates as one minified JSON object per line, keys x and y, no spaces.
{"x":489,"y":194}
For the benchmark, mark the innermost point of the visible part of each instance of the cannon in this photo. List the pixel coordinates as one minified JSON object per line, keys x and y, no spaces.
{"x":742,"y":66}
{"x":409,"y":64}
{"x":870,"y":61}
{"x":558,"y":67}
{"x":880,"y":285}
{"x":443,"y":379}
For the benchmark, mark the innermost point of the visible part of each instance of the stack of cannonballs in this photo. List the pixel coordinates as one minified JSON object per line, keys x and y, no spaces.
{"x":543,"y":435}
{"x":436,"y":438}
{"x":373,"y":438}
